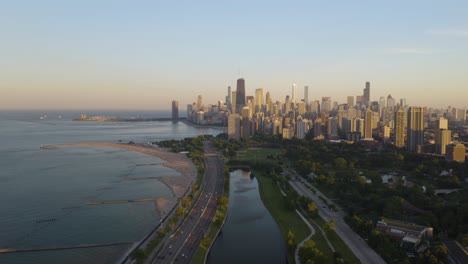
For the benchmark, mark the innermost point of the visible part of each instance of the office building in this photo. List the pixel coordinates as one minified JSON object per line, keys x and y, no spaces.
{"x":228,"y":98}
{"x":199,"y":103}
{"x":240,"y":94}
{"x":326,"y":105}
{"x":258,"y":105}
{"x":350,"y":101}
{"x":415,"y":129}
{"x":390,"y":101}
{"x":366,"y":95}
{"x":306,"y":95}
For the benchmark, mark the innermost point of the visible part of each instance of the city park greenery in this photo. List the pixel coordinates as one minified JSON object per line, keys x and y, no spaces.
{"x":341,"y":171}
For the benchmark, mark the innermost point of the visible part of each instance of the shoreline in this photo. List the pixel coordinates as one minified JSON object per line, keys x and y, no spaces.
{"x":176,"y":161}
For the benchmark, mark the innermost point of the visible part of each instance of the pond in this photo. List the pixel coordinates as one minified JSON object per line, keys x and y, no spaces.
{"x":250,"y":234}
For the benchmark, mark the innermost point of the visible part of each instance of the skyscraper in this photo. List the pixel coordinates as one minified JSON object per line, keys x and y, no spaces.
{"x":390,"y":101}
{"x":258,"y":100}
{"x":228,"y":98}
{"x":240,"y":94}
{"x":293,"y":99}
{"x":326,"y":105}
{"x":442,"y":123}
{"x":268,"y":103}
{"x":366,"y":96}
{"x":302,"y":127}
{"x":400,"y":128}
{"x":442,"y":139}
{"x":199,"y":103}
{"x":350,"y":101}
{"x":175,"y":110}
{"x":368,"y":124}
{"x":415,"y":128}
{"x":234,"y":127}
{"x":306,"y":95}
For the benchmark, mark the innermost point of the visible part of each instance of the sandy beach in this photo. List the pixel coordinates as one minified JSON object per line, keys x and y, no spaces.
{"x":176,"y":161}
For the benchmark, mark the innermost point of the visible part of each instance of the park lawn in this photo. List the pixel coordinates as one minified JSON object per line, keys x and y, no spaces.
{"x":252,"y":154}
{"x":338,"y":244}
{"x":287,"y":220}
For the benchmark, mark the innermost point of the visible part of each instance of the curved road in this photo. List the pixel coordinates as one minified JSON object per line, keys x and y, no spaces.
{"x":182,"y":245}
{"x":359,"y":247}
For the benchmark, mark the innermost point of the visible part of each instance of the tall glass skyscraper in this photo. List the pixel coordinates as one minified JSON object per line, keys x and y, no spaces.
{"x":240,"y":95}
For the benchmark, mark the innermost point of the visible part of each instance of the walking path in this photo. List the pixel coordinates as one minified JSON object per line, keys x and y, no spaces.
{"x":359,"y":247}
{"x":312,"y":232}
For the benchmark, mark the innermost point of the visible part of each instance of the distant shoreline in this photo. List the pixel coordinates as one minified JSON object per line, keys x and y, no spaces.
{"x":125,"y":119}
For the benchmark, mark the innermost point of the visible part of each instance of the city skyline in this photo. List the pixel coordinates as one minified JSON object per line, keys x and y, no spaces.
{"x":96,"y":55}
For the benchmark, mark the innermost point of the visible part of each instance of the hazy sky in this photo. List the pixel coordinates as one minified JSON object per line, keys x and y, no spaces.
{"x":113,"y":54}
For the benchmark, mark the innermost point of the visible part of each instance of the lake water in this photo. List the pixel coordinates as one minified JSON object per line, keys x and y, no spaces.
{"x":250,"y":234}
{"x":43,"y":193}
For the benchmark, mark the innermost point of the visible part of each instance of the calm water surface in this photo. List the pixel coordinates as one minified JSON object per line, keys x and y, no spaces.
{"x":250,"y":234}
{"x":43,"y":193}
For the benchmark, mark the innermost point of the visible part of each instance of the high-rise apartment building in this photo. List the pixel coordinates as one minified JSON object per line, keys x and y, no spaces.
{"x":175,"y":110}
{"x":234,"y":127}
{"x":442,"y":123}
{"x":302,"y":127}
{"x":368,"y":124}
{"x":240,"y":94}
{"x":442,"y":139}
{"x":400,"y":126}
{"x":234,"y":102}
{"x":268,"y":103}
{"x":415,"y":128}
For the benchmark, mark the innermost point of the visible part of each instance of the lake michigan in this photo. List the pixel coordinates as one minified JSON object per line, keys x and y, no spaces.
{"x":44,"y":192}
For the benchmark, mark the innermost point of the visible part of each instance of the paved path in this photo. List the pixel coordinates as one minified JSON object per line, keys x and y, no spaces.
{"x":183,"y":244}
{"x":359,"y":247}
{"x":312,"y":232}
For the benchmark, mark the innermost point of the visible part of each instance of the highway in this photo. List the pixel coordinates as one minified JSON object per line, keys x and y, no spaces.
{"x":182,"y":245}
{"x":359,"y":247}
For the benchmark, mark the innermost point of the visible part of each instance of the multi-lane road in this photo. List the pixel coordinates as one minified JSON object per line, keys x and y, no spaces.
{"x":182,"y":245}
{"x":359,"y":247}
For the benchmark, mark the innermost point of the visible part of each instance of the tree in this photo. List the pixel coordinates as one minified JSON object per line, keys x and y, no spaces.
{"x":223,"y":202}
{"x":309,"y":253}
{"x":312,"y":208}
{"x":329,"y":226}
{"x":292,"y":243}
{"x":139,"y":255}
{"x":340,"y":163}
